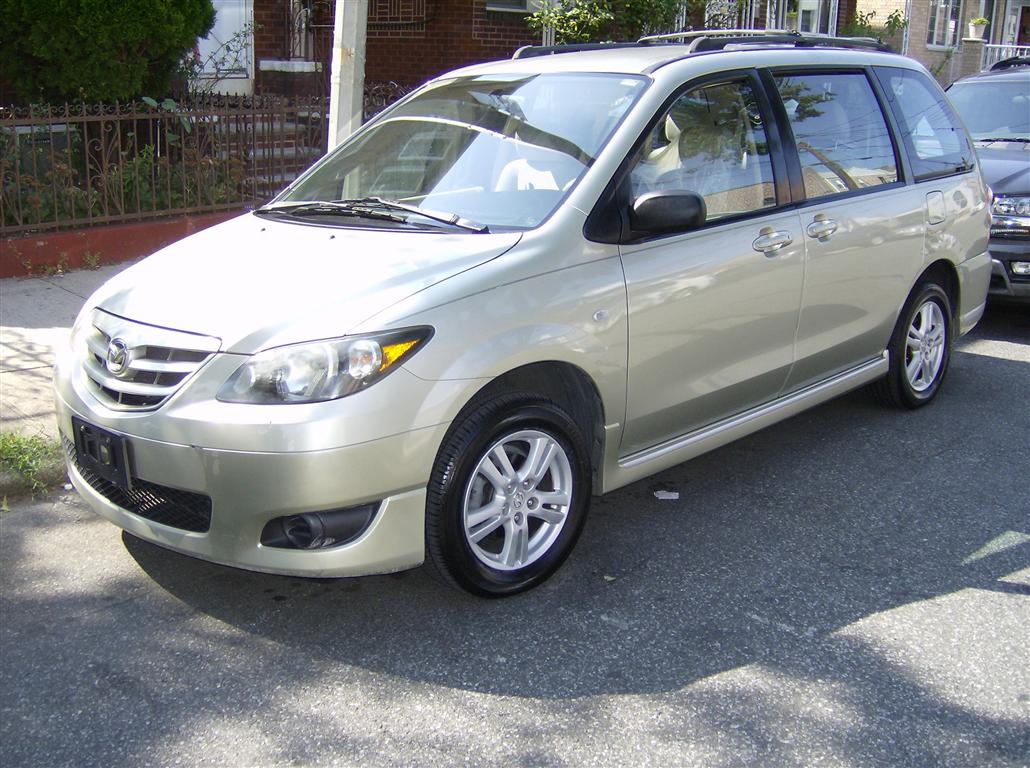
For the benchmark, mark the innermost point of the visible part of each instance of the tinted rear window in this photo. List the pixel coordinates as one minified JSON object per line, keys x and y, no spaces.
{"x":934,"y":138}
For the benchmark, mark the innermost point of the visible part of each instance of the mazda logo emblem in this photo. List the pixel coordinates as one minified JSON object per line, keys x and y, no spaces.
{"x":118,"y":357}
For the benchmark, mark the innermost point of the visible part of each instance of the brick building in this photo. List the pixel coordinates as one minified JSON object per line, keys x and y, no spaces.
{"x":288,"y":42}
{"x":408,"y":41}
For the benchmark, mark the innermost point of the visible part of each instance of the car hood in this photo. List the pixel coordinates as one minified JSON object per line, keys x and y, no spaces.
{"x":1006,"y":166}
{"x":256,"y":283}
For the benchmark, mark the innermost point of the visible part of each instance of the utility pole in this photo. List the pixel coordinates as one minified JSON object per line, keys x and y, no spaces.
{"x":347,"y":79}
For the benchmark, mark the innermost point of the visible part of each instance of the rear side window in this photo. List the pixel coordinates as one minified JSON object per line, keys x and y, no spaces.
{"x":934,"y":138}
{"x":840,"y":132}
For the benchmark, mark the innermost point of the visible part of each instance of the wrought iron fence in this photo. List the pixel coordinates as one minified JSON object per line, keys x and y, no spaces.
{"x":378,"y":96}
{"x":79,"y":165}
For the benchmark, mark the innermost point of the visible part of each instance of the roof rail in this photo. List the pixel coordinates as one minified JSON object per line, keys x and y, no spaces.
{"x":1012,"y":61}
{"x":718,"y":39}
{"x":698,"y":33}
{"x":715,"y":40}
{"x":529,"y":51}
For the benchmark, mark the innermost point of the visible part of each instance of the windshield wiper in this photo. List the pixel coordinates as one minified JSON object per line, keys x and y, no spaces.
{"x":328,"y":208}
{"x":1023,"y":139}
{"x":379,"y":204}
{"x":369,"y":208}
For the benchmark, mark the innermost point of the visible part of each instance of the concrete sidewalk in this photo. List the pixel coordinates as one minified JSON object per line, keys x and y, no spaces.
{"x":36,"y":315}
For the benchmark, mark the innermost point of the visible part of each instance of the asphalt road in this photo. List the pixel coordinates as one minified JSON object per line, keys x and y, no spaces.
{"x":849,"y":588}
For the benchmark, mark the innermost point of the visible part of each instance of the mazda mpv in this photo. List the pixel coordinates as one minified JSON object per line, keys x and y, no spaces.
{"x":529,"y":282}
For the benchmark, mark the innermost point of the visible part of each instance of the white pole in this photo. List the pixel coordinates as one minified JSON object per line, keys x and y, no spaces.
{"x":347,"y":80}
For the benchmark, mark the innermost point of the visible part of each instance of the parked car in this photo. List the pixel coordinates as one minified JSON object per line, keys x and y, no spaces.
{"x":529,"y":282}
{"x":995,"y":106}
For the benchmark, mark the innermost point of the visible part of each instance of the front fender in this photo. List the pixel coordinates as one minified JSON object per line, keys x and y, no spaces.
{"x":575,"y":315}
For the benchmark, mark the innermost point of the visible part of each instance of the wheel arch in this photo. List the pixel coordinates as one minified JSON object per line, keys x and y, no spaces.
{"x":942,"y":272}
{"x":568,"y":386}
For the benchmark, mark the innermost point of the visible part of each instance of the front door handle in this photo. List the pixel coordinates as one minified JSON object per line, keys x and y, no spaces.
{"x":821,"y":228}
{"x":769,"y":240}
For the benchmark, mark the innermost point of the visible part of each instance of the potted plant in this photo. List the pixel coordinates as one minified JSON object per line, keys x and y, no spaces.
{"x":976,"y":27}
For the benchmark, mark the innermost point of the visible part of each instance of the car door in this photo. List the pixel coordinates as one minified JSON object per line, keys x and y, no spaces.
{"x":862,"y":227}
{"x":712,"y":311}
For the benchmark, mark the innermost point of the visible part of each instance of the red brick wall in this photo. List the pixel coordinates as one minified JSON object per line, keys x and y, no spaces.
{"x":270,"y":29}
{"x":452,"y":33}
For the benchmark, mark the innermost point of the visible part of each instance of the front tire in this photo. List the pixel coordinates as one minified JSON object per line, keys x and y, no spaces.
{"x":508,"y":496}
{"x":920,"y":349}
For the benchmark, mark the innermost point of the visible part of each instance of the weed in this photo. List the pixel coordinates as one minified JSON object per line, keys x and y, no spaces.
{"x":35,"y":459}
{"x":91,"y":260}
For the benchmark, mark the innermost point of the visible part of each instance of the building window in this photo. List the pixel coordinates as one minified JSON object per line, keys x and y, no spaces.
{"x":944,"y":22}
{"x":509,"y":5}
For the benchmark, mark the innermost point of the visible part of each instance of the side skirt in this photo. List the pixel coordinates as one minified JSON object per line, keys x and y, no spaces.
{"x":620,"y":471}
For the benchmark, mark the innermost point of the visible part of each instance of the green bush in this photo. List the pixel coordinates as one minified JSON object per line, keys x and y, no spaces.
{"x":581,"y":21}
{"x":97,"y":50}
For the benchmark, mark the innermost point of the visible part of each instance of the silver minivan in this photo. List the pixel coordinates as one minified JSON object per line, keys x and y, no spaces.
{"x":529,"y":282}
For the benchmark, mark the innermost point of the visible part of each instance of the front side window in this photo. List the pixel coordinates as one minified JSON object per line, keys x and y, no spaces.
{"x":840,"y":132}
{"x":943,"y":26}
{"x":934,"y":138}
{"x":502,"y":150}
{"x":712,"y":142}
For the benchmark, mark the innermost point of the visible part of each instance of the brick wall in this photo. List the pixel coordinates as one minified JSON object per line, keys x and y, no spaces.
{"x":271,"y":30}
{"x":945,"y":64}
{"x":449,"y":34}
{"x":409,"y":41}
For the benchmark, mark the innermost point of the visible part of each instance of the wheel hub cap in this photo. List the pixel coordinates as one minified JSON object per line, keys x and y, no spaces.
{"x":517,"y":499}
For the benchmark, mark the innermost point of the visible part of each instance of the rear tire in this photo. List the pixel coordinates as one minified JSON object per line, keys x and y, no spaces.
{"x":919,"y":350}
{"x":508,"y":496}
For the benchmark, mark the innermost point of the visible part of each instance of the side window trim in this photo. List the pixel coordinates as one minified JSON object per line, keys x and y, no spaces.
{"x":618,"y":193}
{"x":797,"y":183}
{"x":905,"y":172}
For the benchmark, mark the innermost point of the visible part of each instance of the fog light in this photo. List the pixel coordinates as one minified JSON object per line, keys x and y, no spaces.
{"x":319,"y":530}
{"x":1020,"y":268}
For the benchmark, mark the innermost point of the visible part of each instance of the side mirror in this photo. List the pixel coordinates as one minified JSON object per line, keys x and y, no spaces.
{"x":661,"y":213}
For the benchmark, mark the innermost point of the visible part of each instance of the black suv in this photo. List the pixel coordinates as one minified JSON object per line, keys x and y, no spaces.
{"x":995,"y":106}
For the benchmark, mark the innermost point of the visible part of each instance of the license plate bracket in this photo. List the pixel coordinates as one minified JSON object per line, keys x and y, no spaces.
{"x":101,"y":452}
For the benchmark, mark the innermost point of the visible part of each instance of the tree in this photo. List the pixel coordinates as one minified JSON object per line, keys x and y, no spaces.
{"x":581,"y":21}
{"x":97,"y":50}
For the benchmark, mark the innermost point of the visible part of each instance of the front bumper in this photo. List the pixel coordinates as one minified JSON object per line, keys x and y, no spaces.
{"x":248,"y":465}
{"x":247,"y":489}
{"x":1004,"y":283}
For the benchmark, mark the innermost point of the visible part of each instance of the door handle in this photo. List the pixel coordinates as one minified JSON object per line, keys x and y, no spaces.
{"x":769,"y":240}
{"x":821,"y":228}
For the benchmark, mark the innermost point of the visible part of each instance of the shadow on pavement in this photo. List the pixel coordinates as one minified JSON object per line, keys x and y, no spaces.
{"x":778,"y":546}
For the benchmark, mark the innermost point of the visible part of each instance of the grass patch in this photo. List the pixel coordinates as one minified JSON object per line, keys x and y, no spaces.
{"x":34,"y":461}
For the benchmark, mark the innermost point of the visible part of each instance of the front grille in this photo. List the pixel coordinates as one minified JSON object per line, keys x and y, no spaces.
{"x":156,"y":361}
{"x":185,"y":510}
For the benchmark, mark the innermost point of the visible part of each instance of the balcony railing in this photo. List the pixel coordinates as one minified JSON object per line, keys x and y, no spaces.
{"x":995,"y":53}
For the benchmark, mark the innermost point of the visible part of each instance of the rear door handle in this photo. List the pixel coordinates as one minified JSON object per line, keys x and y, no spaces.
{"x":769,"y":240}
{"x":821,"y":228}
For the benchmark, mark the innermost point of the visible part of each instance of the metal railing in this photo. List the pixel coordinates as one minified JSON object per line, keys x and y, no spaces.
{"x":995,"y":53}
{"x":78,"y":165}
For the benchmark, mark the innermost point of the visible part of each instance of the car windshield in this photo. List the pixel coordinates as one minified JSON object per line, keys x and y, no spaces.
{"x":993,"y":110}
{"x":501,"y":151}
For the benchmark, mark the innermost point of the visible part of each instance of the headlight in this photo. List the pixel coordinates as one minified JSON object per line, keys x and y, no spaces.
{"x":1011,"y":206}
{"x":1010,"y":216}
{"x":321,"y":370}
